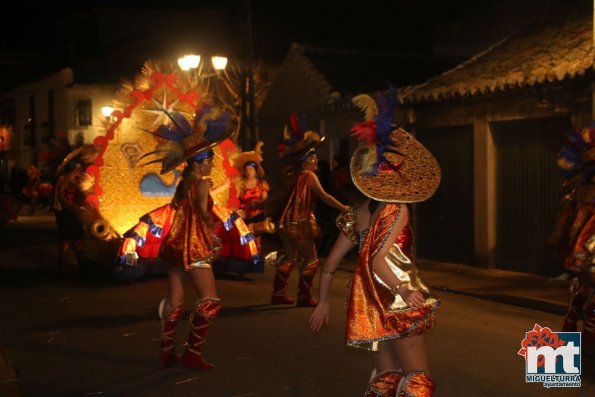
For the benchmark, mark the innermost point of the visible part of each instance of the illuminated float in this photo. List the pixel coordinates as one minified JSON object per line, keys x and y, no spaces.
{"x":127,"y":188}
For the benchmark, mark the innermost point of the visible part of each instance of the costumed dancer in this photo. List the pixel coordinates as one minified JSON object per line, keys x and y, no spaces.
{"x":577,"y":163}
{"x":31,"y":189}
{"x":190,"y":246}
{"x":389,"y":309}
{"x":252,"y":190}
{"x":70,"y":207}
{"x":297,"y":225}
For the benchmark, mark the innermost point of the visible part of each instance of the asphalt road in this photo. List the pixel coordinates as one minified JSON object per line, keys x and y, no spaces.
{"x":70,"y":336}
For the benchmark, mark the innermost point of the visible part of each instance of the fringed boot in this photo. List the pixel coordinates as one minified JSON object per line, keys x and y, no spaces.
{"x":418,"y":384}
{"x":169,"y":321}
{"x":384,"y":384}
{"x":280,"y":284}
{"x":305,"y":285}
{"x":200,"y":320}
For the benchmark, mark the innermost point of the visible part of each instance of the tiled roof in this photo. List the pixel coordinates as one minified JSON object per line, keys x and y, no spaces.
{"x":554,"y":54}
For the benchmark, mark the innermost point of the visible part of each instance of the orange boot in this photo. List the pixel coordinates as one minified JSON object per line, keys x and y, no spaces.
{"x":200,"y":320}
{"x":305,"y":285}
{"x":168,"y":334}
{"x":384,"y":384}
{"x":418,"y":384}
{"x":280,"y":284}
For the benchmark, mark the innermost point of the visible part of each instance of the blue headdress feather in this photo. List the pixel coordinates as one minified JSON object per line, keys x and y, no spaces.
{"x":385,"y":103}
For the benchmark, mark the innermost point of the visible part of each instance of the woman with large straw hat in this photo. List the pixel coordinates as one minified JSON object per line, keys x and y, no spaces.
{"x":388,"y":306}
{"x":297,"y":224}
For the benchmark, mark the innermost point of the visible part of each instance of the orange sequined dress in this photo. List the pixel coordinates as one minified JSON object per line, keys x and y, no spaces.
{"x":579,"y":237}
{"x":190,"y":242}
{"x":373,"y":313}
{"x":297,"y":221}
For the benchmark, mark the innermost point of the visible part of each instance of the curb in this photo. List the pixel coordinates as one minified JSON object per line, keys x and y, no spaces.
{"x":9,"y":382}
{"x":521,"y":301}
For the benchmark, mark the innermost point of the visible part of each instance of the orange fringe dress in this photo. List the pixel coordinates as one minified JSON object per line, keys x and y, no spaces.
{"x":190,"y":242}
{"x":373,"y":313}
{"x":297,"y":221}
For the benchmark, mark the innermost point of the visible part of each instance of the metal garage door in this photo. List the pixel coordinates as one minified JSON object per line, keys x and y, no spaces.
{"x":528,"y":189}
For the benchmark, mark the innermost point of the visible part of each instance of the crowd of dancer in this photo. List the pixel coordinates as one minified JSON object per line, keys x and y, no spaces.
{"x":389,"y":309}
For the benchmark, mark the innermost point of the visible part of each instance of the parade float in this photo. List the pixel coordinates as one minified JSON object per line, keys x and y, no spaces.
{"x":127,"y":186}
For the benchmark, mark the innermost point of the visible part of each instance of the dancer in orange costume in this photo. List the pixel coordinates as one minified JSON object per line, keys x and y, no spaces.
{"x":190,"y":246}
{"x":238,"y":252}
{"x":577,"y":163}
{"x":297,"y":225}
{"x":389,"y":309}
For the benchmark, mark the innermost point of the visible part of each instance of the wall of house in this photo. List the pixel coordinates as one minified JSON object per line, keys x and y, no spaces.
{"x":99,"y":95}
{"x":37,"y":115}
{"x":47,"y":108}
{"x":525,"y":126}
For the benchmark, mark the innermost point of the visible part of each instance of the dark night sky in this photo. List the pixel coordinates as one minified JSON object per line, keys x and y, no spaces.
{"x":418,"y":26}
{"x":375,"y":23}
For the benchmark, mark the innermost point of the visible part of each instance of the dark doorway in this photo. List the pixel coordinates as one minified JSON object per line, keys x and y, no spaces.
{"x":444,"y":223}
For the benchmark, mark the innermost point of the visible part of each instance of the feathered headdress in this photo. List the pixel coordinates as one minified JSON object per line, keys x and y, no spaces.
{"x":185,"y":140}
{"x":298,"y":142}
{"x":577,"y":156}
{"x":389,"y":164}
{"x":375,"y":130}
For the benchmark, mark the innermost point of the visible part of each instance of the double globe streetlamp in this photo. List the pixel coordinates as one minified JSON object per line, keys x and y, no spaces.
{"x":189,"y":62}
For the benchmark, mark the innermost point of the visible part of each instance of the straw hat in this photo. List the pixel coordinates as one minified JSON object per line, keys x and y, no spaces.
{"x":84,"y":155}
{"x":241,"y":159}
{"x":390,"y":164}
{"x":209,"y":127}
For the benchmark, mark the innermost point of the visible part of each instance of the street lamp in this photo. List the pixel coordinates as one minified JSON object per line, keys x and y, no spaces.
{"x":107,"y":111}
{"x":189,"y":62}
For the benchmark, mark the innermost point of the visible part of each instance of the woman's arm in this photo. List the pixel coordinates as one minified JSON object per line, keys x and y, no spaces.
{"x":384,"y":272}
{"x":329,"y":200}
{"x":202,"y":190}
{"x":321,"y":313}
{"x":263,"y":196}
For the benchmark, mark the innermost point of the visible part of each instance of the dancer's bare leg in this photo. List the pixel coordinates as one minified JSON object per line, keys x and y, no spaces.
{"x":385,"y":358}
{"x":411,"y":352}
{"x":175,"y":280}
{"x":203,"y":282}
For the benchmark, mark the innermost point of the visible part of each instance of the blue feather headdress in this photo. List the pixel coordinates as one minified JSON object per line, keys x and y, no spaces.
{"x":577,"y":156}
{"x":184,"y":140}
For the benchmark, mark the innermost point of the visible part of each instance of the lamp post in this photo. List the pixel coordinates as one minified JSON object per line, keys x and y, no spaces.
{"x":192,"y":62}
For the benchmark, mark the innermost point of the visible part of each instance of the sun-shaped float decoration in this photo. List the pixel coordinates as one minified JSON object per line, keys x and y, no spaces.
{"x":125,"y":190}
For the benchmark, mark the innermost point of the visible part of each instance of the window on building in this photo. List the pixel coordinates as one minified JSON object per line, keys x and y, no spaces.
{"x":84,"y":113}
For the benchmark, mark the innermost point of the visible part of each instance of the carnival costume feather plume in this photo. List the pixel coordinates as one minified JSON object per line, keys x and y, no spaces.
{"x":375,"y":131}
{"x":577,"y":156}
{"x":296,"y":125}
{"x":184,"y":140}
